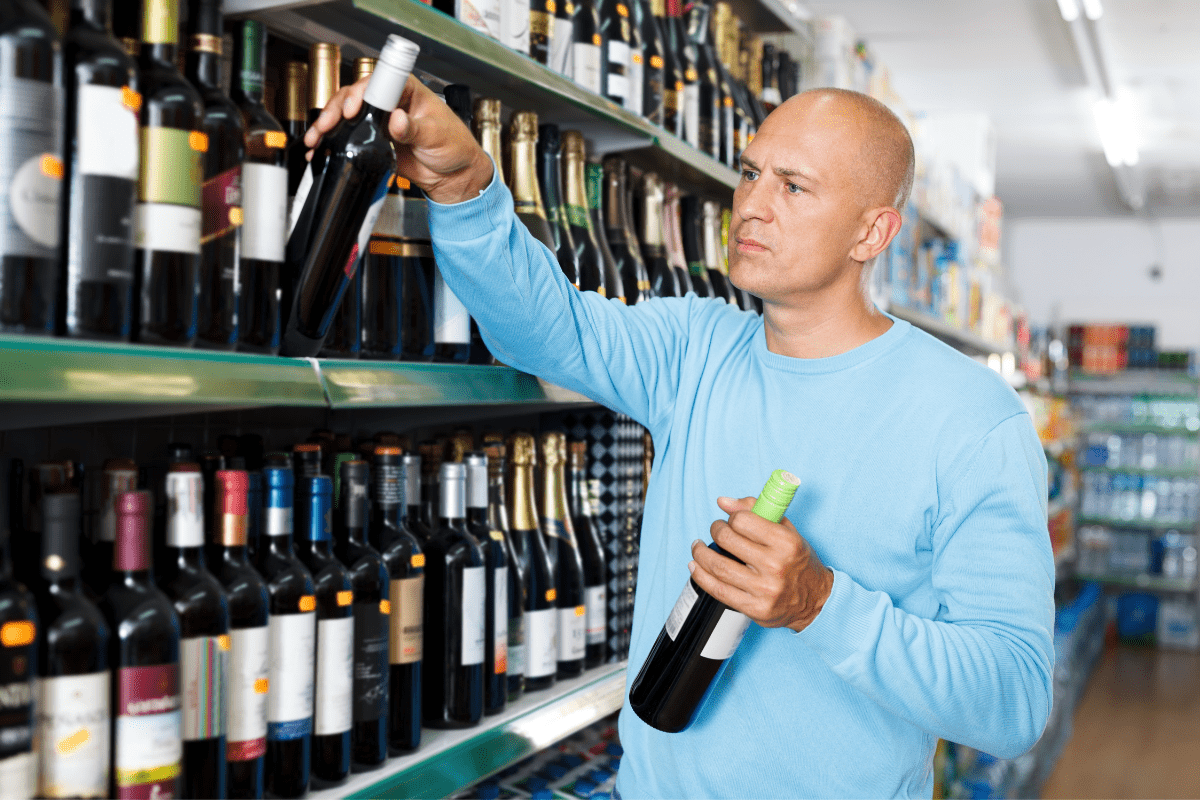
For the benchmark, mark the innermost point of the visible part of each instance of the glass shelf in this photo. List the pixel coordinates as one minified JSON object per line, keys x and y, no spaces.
{"x":1152,"y":583}
{"x":1143,"y":524}
{"x":1157,"y":472}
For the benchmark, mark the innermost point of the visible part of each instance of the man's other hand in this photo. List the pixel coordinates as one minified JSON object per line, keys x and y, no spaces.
{"x":782,"y":584}
{"x":434,"y":149}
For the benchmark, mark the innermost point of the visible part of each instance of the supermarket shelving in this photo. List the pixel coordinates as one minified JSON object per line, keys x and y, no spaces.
{"x":1142,"y":382}
{"x":1143,"y":524}
{"x":1137,"y":427}
{"x":971,"y":343}
{"x":1150,"y":583}
{"x":448,"y":761}
{"x":1156,"y":472}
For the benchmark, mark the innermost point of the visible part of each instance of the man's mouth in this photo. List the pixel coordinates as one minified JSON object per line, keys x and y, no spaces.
{"x":748,"y":245}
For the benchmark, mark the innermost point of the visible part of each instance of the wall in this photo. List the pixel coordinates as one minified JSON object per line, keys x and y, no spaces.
{"x":1096,"y":270}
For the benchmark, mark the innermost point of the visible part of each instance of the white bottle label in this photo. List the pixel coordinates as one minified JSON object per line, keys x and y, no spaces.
{"x":636,"y":87}
{"x":587,"y":65}
{"x":33,"y":198}
{"x":167,"y":227}
{"x":17,"y":775}
{"x":73,"y":720}
{"x":31,"y":169}
{"x":726,"y":637}
{"x":482,"y":15}
{"x":500,"y":621}
{"x":571,"y":633}
{"x":264,"y":205}
{"x":515,"y":21}
{"x":249,"y":683}
{"x":683,"y":607}
{"x":562,"y":31}
{"x":302,"y":190}
{"x":107,"y":133}
{"x":202,"y":671}
{"x":148,"y":747}
{"x":335,"y":676}
{"x":691,"y":114}
{"x":516,"y":646}
{"x":618,"y":54}
{"x":594,"y":599}
{"x":474,"y":610}
{"x":541,"y":643}
{"x":290,"y":700}
{"x":451,"y":322}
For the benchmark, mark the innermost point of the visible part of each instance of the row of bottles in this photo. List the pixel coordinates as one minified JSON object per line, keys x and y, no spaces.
{"x":258,"y":622}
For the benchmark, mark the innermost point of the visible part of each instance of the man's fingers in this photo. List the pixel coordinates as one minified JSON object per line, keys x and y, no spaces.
{"x":731,"y":596}
{"x":730,"y":505}
{"x":725,"y":569}
{"x":345,"y":103}
{"x":734,"y":543}
{"x":762,"y":532}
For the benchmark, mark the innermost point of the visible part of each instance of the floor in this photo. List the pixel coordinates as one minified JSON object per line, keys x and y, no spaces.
{"x":1137,"y":729}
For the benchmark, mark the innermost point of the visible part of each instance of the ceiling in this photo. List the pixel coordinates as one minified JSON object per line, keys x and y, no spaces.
{"x":1015,"y":61}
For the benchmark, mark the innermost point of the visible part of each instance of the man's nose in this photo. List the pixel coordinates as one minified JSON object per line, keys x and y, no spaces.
{"x":752,"y":201}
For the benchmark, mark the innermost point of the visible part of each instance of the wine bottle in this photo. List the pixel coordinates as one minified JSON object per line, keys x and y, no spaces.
{"x":306,"y":460}
{"x":561,"y":57}
{"x":527,"y":197}
{"x":588,"y":52}
{"x":691,"y":215}
{"x":616,"y":33}
{"x":117,"y":475}
{"x":381,"y":272}
{"x":455,"y":603}
{"x":413,"y":489}
{"x":292,"y":634}
{"x":745,"y":300}
{"x":698,"y":638}
{"x":591,"y":553}
{"x":541,"y":25}
{"x":144,"y":651}
{"x":635,"y":102}
{"x":729,"y":59}
{"x":550,"y":184}
{"x":221,"y":193}
{"x":480,"y":15}
{"x":592,"y":275}
{"x":674,"y":105}
{"x":247,"y":672}
{"x":333,"y":714}
{"x":771,"y":96}
{"x":203,"y":611}
{"x":616,"y":228}
{"x":405,"y":565}
{"x":496,"y":562}
{"x":431,"y":463}
{"x":516,"y":25}
{"x":44,"y":478}
{"x":708,"y":80}
{"x":664,"y":280}
{"x":101,"y":176}
{"x":595,"y":192}
{"x":126,"y":20}
{"x":168,"y":216}
{"x":673,"y":235}
{"x":32,"y":171}
{"x":711,"y":231}
{"x":417,"y":275}
{"x":264,"y":196}
{"x":18,"y":658}
{"x":339,"y":202}
{"x":295,"y":108}
{"x":73,"y":674}
{"x":559,"y":536}
{"x":654,"y":62}
{"x":372,"y":612}
{"x":497,"y":516}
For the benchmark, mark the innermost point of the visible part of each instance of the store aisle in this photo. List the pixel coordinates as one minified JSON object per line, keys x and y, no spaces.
{"x":1137,"y":729}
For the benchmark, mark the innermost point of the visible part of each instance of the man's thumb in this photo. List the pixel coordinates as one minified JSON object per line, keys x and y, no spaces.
{"x":730,"y":505}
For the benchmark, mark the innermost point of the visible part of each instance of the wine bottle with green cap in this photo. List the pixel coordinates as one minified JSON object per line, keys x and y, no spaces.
{"x":698,"y":638}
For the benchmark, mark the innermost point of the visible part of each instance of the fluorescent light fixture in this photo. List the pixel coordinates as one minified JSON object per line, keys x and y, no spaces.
{"x":1091,"y":9}
{"x":1069,"y":9}
{"x":1115,"y":123}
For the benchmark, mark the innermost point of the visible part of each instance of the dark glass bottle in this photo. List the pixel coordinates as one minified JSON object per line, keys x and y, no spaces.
{"x":32,"y":172}
{"x":595,"y":196}
{"x":264,"y":196}
{"x":655,"y":56}
{"x":126,"y":19}
{"x":168,"y":218}
{"x":541,"y":615}
{"x":691,"y":215}
{"x":711,"y":100}
{"x":372,"y":612}
{"x":382,"y":270}
{"x":412,"y":494}
{"x":588,"y":51}
{"x":292,"y":631}
{"x":561,"y":57}
{"x":592,"y":276}
{"x":771,"y":96}
{"x":616,"y":230}
{"x":637,"y":60}
{"x":664,"y":280}
{"x":417,"y":270}
{"x":550,"y":183}
{"x":673,"y":70}
{"x":306,"y":460}
{"x":591,"y":552}
{"x":496,"y":562}
{"x":711,"y":233}
{"x":296,"y":124}
{"x":616,"y":35}
{"x":559,"y":536}
{"x":497,"y":515}
{"x":523,"y":177}
{"x":101,"y":176}
{"x":688,"y":76}
{"x":117,"y":475}
{"x":144,"y":653}
{"x":333,"y":714}
{"x":425,"y":524}
{"x":455,"y":602}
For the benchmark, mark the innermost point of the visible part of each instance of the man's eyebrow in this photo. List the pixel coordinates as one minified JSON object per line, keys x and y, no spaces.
{"x":784,"y":172}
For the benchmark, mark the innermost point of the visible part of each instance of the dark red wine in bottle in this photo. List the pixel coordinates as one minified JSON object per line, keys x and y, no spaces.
{"x":296,"y":124}
{"x":496,"y":558}
{"x":19,"y":632}
{"x":31,"y":169}
{"x":550,"y":184}
{"x":147,"y":708}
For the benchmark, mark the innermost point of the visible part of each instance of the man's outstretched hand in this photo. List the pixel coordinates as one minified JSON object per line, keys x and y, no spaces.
{"x":434,"y":149}
{"x":782,"y":584}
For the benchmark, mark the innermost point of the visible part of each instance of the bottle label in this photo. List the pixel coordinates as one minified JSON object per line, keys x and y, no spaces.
{"x":31,"y":169}
{"x":500,"y":621}
{"x":106,"y":124}
{"x":302,"y":190}
{"x":405,"y":637}
{"x":515,"y":22}
{"x":16,"y":707}
{"x":290,"y":701}
{"x":562,"y":32}
{"x":73,"y":731}
{"x":540,"y":26}
{"x":691,"y":114}
{"x":170,"y":228}
{"x":577,"y":216}
{"x":102,"y":217}
{"x":572,"y":631}
{"x":726,"y":636}
{"x":633,"y":101}
{"x":618,"y":69}
{"x":264,"y":206}
{"x":474,"y":610}
{"x":541,"y":643}
{"x":370,"y":660}
{"x":451,"y":321}
{"x":364,"y":232}
{"x":587,"y":65}
{"x":249,"y":685}
{"x":335,"y":676}
{"x":202,"y":670}
{"x":402,"y":217}
{"x":594,"y":599}
{"x":148,"y":747}
{"x":171,"y":169}
{"x":482,"y":15}
{"x":771,"y":96}
{"x":683,"y":607}
{"x":18,"y":775}
{"x":516,"y":645}
{"x":221,"y":201}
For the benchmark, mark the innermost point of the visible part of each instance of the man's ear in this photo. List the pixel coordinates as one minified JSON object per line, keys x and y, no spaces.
{"x":882,"y":225}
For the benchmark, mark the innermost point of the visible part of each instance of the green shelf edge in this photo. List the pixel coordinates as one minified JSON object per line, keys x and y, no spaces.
{"x":1154,"y":472}
{"x":1137,"y":427}
{"x":1144,"y":524}
{"x":1151,"y":583}
{"x":363,"y":384}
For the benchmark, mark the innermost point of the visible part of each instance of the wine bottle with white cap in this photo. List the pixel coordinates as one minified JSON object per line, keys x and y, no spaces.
{"x":338,"y":202}
{"x":698,"y":638}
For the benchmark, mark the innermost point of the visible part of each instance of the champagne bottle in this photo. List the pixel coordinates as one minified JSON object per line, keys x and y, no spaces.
{"x":664,"y":280}
{"x":561,"y":50}
{"x":710,"y":98}
{"x":550,"y":183}
{"x":691,"y":213}
{"x":616,"y":228}
{"x":745,"y":300}
{"x":527,"y":197}
{"x":711,"y":232}
{"x":221,"y":192}
{"x":595,"y":192}
{"x":497,"y":516}
{"x":496,"y":557}
{"x":616,"y":34}
{"x":592,"y":275}
{"x":588,"y":51}
{"x":541,"y":620}
{"x":541,"y":23}
{"x":168,"y":217}
{"x":339,"y":202}
{"x":559,"y":536}
{"x":591,"y":553}
{"x":295,"y":109}
{"x":101,"y":176}
{"x":698,"y":638}
{"x":656,"y":71}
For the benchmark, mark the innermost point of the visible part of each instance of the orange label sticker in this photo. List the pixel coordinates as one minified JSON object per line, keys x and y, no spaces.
{"x":418,"y":560}
{"x":345,"y":598}
{"x":383,"y":247}
{"x":596,"y":39}
{"x":402,"y":183}
{"x":636,"y":58}
{"x":656,"y":62}
{"x":551,"y":595}
{"x":224,"y":643}
{"x":308,"y":603}
{"x":385,"y":607}
{"x":52,"y":167}
{"x":580,"y":610}
{"x":623,"y":9}
{"x":198,"y":141}
{"x":73,"y":742}
{"x":262,"y":685}
{"x":131,"y":99}
{"x":235,"y":216}
{"x":551,"y":6}
{"x":16,"y":634}
{"x":276,"y":139}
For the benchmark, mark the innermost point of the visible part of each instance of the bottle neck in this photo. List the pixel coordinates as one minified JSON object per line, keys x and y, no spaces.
{"x":234,"y":555}
{"x":134,"y":577}
{"x":578,"y":494}
{"x":524,"y":177}
{"x":488,"y":134}
{"x":652,"y":231}
{"x":554,"y":494}
{"x":548,"y":168}
{"x":523,"y":513}
{"x":614,"y":203}
{"x":95,"y":14}
{"x":477,"y":516}
{"x":576,"y":182}
{"x":203,"y":64}
{"x":188,"y":556}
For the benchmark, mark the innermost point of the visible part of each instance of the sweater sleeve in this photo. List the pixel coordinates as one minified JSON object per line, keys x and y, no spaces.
{"x":532,"y":318}
{"x":980,"y":672}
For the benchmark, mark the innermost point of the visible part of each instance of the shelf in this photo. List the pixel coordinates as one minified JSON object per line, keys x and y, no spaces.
{"x":1153,"y":583}
{"x":1058,"y":505}
{"x":363,"y":384}
{"x":452,"y":760}
{"x":1143,"y":382}
{"x":971,"y":343}
{"x":1162,"y":472}
{"x":1137,"y":427}
{"x":1143,"y":524}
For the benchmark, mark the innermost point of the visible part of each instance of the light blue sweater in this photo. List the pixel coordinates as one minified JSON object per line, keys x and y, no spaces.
{"x":923,"y":488}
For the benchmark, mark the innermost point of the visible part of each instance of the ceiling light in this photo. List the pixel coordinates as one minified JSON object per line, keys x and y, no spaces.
{"x":1115,"y":124}
{"x":1092,"y":9}
{"x":1069,"y":9}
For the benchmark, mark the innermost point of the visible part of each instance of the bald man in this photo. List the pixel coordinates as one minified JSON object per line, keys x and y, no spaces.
{"x":908,"y":594}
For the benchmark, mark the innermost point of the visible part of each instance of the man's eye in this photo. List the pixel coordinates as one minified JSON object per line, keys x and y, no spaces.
{"x":750,"y":175}
{"x":795,"y":188}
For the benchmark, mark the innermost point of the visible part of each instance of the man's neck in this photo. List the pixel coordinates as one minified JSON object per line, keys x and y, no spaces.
{"x":821,"y":326}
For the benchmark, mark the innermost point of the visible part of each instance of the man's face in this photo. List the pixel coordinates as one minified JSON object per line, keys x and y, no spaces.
{"x":799,"y":207}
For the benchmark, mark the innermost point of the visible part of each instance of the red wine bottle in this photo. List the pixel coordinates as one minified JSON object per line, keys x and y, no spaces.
{"x":73,"y":674}
{"x":711,"y":106}
{"x":332,"y":713}
{"x":655,"y":62}
{"x":559,"y":536}
{"x":144,"y":652}
{"x":372,"y":611}
{"x":32,"y":169}
{"x":203,"y":610}
{"x":591,"y":553}
{"x":101,"y":176}
{"x":455,"y":603}
{"x":117,"y":475}
{"x":292,"y":629}
{"x":413,"y":488}
{"x":700,"y":635}
{"x":248,"y":670}
{"x":496,"y":558}
{"x":541,"y":620}
{"x":339,"y":202}
{"x":380,"y":279}
{"x":18,"y":658}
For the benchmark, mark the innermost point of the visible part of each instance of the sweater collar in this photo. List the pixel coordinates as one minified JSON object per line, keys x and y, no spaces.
{"x":862,"y":354}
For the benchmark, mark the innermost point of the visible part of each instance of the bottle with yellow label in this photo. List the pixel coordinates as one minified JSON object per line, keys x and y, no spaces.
{"x":541,"y":595}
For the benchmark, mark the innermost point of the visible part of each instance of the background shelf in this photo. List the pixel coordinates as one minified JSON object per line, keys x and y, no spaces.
{"x":1144,"y":524}
{"x":1143,"y":382}
{"x":966,"y":341}
{"x":1153,"y":583}
{"x":1158,"y":472}
{"x":1138,"y":427}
